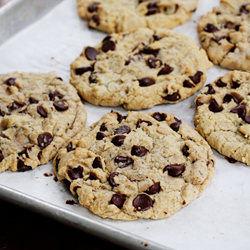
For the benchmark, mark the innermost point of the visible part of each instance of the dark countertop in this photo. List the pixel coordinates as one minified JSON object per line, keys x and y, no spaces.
{"x":25,"y":230}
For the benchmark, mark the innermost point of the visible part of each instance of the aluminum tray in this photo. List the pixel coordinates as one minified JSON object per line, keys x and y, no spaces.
{"x":210,"y":222}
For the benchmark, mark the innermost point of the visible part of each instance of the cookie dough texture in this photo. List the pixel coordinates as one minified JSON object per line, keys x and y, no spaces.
{"x":140,"y":69}
{"x":223,"y":115}
{"x":115,"y":16}
{"x":224,"y":34}
{"x":136,"y":166}
{"x":38,"y":114}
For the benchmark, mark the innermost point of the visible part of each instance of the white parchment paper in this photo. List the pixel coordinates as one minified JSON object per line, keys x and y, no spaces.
{"x":219,"y":219}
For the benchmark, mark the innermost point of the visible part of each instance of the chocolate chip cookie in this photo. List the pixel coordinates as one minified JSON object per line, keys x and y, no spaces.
{"x":115,"y":16}
{"x":223,"y":115}
{"x":38,"y":114}
{"x":136,"y":166}
{"x":140,"y":69}
{"x":224,"y":33}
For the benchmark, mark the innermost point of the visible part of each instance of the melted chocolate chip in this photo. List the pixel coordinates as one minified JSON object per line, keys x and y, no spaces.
{"x":210,"y":28}
{"x":221,"y":84}
{"x":16,"y":105}
{"x":214,"y":107}
{"x":159,"y":116}
{"x":2,"y":113}
{"x":139,"y":122}
{"x":91,"y":53}
{"x":10,"y":81}
{"x":97,"y":163}
{"x":82,"y":70}
{"x":147,"y":50}
{"x":1,"y":155}
{"x":103,"y":127}
{"x":70,"y":147}
{"x":120,"y":117}
{"x":108,"y":45}
{"x":166,"y":70}
{"x":142,"y":202}
{"x":107,"y":38}
{"x":41,"y":111}
{"x":75,"y":173}
{"x":155,"y":188}
{"x":210,"y":90}
{"x":233,"y":49}
{"x":44,"y":140}
{"x":197,"y":77}
{"x":154,"y":62}
{"x":198,"y":103}
{"x":54,"y":94}
{"x":172,"y":98}
{"x":118,"y":140}
{"x":247,"y":119}
{"x":122,"y":130}
{"x":100,"y":136}
{"x":111,"y":179}
{"x":138,"y":151}
{"x":188,"y":84}
{"x":96,"y":19}
{"x":32,"y":100}
{"x":174,"y":170}
{"x":176,"y":125}
{"x":152,"y":8}
{"x":240,"y":111}
{"x":235,"y":85}
{"x":21,"y":167}
{"x":157,"y":38}
{"x":61,"y":105}
{"x":230,"y":160}
{"x":118,"y":200}
{"x":93,"y":78}
{"x":124,"y":160}
{"x":243,"y":9}
{"x":93,"y":177}
{"x":146,"y":81}
{"x":93,"y":7}
{"x":228,"y":97}
{"x":217,"y":39}
{"x":185,"y":151}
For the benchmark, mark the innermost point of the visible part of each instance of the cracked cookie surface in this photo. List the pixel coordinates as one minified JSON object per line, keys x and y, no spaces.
{"x":224,"y":33}
{"x":223,"y":115}
{"x":140,"y":69}
{"x":38,"y":114}
{"x":136,"y":166}
{"x":115,"y":16}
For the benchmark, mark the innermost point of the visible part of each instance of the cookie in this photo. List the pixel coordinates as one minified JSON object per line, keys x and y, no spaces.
{"x":223,"y":115}
{"x":114,"y":16}
{"x":38,"y":114}
{"x":136,"y":166}
{"x":140,"y":69}
{"x":224,"y":34}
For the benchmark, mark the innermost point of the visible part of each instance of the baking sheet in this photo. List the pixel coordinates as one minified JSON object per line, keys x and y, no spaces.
{"x":219,"y":219}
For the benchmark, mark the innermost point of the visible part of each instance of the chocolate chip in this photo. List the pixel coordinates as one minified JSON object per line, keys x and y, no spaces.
{"x":91,"y":53}
{"x":172,"y":98}
{"x":197,"y":77}
{"x":103,"y":127}
{"x":240,"y":111}
{"x":210,"y":90}
{"x":235,"y":85}
{"x":214,"y":107}
{"x":93,"y":7}
{"x":210,"y":28}
{"x":108,"y":45}
{"x":32,"y":100}
{"x":231,"y":160}
{"x":127,"y":62}
{"x":233,"y":49}
{"x":93,"y":78}
{"x":147,"y":50}
{"x":54,"y":94}
{"x":157,"y":38}
{"x":139,"y":122}
{"x":142,"y":202}
{"x":228,"y":97}
{"x":25,"y":152}
{"x":176,"y":125}
{"x":122,"y":130}
{"x":100,"y":136}
{"x":107,"y":38}
{"x":247,"y":119}
{"x":220,"y":84}
{"x":124,"y":160}
{"x":146,"y":81}
{"x":10,"y":81}
{"x":41,"y":111}
{"x":120,"y":117}
{"x":71,"y":202}
{"x":217,"y":39}
{"x":59,"y":78}
{"x":174,"y":170}
{"x":152,"y":8}
{"x":2,"y":113}
{"x":159,"y":116}
{"x":118,"y":140}
{"x":243,"y":9}
{"x":57,"y":163}
{"x":155,"y":188}
{"x":118,"y":200}
{"x":44,"y":140}
{"x":16,"y":105}
{"x":154,"y":62}
{"x":21,"y":167}
{"x":97,"y":163}
{"x":138,"y":151}
{"x":237,"y":27}
{"x":111,"y":179}
{"x":185,"y":151}
{"x":188,"y":84}
{"x":75,"y":173}
{"x":70,"y":147}
{"x":1,"y":155}
{"x":82,"y":70}
{"x":96,"y":19}
{"x":93,"y":177}
{"x":165,"y":70}
{"x":39,"y":156}
{"x":61,"y":105}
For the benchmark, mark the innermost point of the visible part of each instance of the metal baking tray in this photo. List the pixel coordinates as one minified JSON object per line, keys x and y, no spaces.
{"x":43,"y":36}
